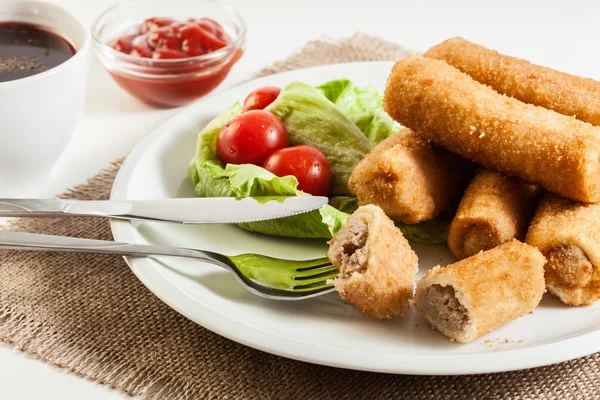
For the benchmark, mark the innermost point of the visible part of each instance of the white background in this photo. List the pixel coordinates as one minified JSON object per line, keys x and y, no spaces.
{"x":561,"y":34}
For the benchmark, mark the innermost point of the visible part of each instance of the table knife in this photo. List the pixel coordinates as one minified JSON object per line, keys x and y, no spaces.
{"x":207,"y":210}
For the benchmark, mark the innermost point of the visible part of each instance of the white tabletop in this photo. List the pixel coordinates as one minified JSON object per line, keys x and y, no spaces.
{"x":560,"y":34}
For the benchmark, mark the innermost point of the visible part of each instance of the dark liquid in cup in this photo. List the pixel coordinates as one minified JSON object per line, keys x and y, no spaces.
{"x":27,"y":49}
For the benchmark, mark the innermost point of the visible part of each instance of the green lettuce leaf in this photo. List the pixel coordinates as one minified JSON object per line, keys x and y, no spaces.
{"x":334,"y":89}
{"x":211,"y":178}
{"x":310,"y":118}
{"x":319,"y":224}
{"x":434,"y":231}
{"x":206,"y":170}
{"x":363,"y":105}
{"x":343,"y":203}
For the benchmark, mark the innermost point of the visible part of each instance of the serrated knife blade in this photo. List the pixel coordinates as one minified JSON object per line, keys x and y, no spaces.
{"x":207,"y":210}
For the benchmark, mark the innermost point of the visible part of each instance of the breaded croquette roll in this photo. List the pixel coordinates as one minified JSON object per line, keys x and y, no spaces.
{"x":494,"y":209}
{"x":410,"y":179}
{"x":568,"y":234}
{"x":377,"y":266}
{"x":448,"y":107}
{"x":564,"y":93}
{"x":472,"y":297}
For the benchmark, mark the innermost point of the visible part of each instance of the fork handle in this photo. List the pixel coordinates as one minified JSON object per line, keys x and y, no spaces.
{"x":39,"y":242}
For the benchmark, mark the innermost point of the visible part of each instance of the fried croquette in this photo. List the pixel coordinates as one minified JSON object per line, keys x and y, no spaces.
{"x":377,"y":266}
{"x":494,"y":209}
{"x":410,"y":179}
{"x":564,"y":93}
{"x":449,"y":108}
{"x":472,"y":297}
{"x":568,"y":234}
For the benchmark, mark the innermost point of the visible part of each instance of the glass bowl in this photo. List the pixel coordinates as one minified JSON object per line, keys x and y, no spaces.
{"x":168,"y":82}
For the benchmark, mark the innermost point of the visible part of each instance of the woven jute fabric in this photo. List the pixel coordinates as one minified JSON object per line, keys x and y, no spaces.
{"x":89,"y":314}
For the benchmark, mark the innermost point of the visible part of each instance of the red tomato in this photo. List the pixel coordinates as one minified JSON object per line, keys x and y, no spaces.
{"x":259,"y":99}
{"x":251,"y":138}
{"x":307,"y":163}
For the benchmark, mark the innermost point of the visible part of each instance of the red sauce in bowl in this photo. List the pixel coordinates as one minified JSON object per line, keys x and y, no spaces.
{"x":165,"y":38}
{"x":171,"y":77}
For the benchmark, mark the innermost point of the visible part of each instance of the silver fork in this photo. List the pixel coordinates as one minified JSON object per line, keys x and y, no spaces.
{"x":268,"y":277}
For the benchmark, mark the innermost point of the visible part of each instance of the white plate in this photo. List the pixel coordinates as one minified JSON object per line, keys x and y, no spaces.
{"x":324,"y":330}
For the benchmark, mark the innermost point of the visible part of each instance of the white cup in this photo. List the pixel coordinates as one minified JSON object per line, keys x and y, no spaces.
{"x":38,"y":114}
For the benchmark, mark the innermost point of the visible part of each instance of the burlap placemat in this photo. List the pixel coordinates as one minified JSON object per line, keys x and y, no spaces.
{"x":90,"y":314}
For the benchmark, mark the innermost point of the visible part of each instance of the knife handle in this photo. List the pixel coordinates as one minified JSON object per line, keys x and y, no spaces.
{"x":33,"y":207}
{"x":63,"y":207}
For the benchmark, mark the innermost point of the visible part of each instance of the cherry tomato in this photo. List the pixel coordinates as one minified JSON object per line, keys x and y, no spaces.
{"x":251,"y":138}
{"x":259,"y":99}
{"x":307,"y":163}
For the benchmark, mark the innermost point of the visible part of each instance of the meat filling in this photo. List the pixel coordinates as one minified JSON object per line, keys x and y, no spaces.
{"x":568,"y":266}
{"x":446,"y":312}
{"x":354,"y":254}
{"x":479,"y":238}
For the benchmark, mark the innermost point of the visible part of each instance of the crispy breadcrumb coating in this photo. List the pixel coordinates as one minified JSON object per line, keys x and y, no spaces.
{"x":489,"y":290}
{"x":448,"y":107}
{"x":409,"y":178}
{"x":377,"y":266}
{"x":564,"y":93}
{"x":494,"y":209}
{"x":568,"y":233}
